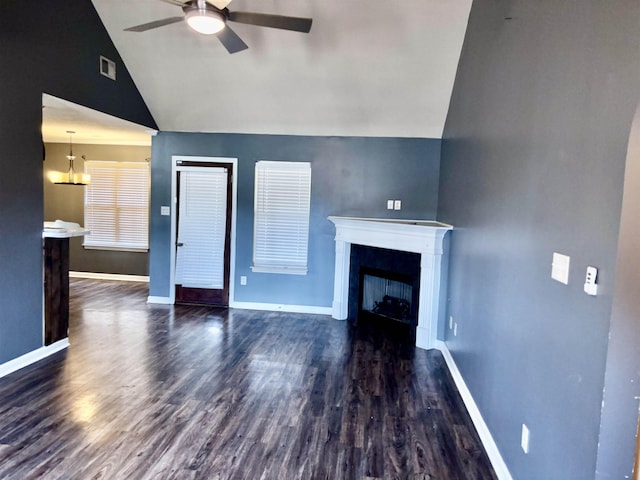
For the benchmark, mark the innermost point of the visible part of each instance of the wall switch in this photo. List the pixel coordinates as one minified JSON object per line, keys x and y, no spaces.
{"x":450,"y":322}
{"x":397,"y":205}
{"x":590,"y":285}
{"x":389,"y":204}
{"x":243,"y":280}
{"x":165,"y":210}
{"x":560,"y":268}
{"x":524,"y":440}
{"x":455,"y":329}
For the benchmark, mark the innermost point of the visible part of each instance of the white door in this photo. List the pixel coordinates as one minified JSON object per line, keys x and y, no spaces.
{"x":202,"y":228}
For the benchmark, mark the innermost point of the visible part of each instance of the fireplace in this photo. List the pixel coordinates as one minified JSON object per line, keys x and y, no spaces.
{"x":383,"y":286}
{"x":422,"y":239}
{"x":386,"y":295}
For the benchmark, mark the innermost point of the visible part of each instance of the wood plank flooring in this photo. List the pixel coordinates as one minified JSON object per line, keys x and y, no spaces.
{"x":163,"y":392}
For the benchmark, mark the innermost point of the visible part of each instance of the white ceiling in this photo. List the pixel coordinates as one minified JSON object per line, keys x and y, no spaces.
{"x":368,"y":67}
{"x":90,"y":126}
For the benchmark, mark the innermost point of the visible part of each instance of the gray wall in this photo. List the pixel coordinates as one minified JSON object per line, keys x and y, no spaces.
{"x":533,"y":161}
{"x":622,"y":380}
{"x":66,"y":202}
{"x":54,"y":49}
{"x":351,"y":176}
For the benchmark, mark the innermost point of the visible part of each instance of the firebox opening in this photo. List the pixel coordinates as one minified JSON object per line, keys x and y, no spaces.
{"x":386,"y":295}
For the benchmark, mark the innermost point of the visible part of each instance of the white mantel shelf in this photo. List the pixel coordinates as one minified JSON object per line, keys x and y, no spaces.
{"x":417,"y":236}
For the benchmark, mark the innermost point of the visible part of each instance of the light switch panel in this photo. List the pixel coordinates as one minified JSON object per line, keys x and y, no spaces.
{"x":560,"y":268}
{"x":165,"y":210}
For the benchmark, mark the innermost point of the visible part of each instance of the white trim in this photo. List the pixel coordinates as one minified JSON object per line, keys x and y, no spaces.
{"x":486,"y":438}
{"x":160,"y":300}
{"x":174,"y":228}
{"x":276,"y":307}
{"x":32,"y":357}
{"x":110,"y":276}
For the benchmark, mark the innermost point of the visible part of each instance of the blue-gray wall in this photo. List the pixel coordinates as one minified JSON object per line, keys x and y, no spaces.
{"x":351,"y":176}
{"x":55,"y":48}
{"x":533,"y":161}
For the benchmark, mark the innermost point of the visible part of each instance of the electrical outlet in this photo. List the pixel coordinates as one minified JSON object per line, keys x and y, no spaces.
{"x":243,"y":280}
{"x":450,"y":322}
{"x":524,"y":441}
{"x":590,"y":285}
{"x":389,"y":204}
{"x":455,"y":329}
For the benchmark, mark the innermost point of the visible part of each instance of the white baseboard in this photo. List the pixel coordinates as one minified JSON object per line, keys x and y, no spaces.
{"x":483,"y":430}
{"x":110,"y":276}
{"x":160,"y":300}
{"x":276,"y":307}
{"x":32,"y":357}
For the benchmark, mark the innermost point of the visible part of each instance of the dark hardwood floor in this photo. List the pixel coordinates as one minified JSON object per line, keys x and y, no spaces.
{"x":162,"y":392}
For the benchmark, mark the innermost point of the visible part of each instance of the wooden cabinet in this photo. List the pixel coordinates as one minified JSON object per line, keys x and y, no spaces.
{"x":56,"y":289}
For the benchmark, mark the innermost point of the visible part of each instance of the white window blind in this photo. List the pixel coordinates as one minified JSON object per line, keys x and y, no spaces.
{"x":116,"y":206}
{"x":281,"y":217}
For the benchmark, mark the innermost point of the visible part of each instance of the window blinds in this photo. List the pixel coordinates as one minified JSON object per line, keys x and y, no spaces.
{"x":281,"y":217}
{"x":116,"y":206}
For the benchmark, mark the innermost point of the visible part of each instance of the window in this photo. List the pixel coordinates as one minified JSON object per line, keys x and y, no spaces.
{"x":116,"y":206}
{"x":281,"y":217}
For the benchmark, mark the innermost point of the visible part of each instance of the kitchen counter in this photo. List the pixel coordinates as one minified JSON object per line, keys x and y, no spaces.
{"x":59,"y":229}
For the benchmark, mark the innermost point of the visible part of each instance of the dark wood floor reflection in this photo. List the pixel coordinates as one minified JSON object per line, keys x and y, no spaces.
{"x":157,"y":392}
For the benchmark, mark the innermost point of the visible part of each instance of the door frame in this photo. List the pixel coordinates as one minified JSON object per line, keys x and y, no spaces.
{"x":174,"y":217}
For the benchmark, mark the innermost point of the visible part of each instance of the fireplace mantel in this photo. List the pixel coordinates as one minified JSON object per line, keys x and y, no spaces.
{"x":418,"y":236}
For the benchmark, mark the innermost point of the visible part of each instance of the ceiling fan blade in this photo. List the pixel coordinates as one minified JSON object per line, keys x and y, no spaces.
{"x":219,"y":4}
{"x":296,"y":24}
{"x":231,"y":41}
{"x":175,"y":2}
{"x":158,"y":23}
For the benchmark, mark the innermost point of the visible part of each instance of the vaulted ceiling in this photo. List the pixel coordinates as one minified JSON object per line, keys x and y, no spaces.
{"x":367,"y":68}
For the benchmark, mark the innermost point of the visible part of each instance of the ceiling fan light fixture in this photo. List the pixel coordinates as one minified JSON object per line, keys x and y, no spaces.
{"x":205,"y":20}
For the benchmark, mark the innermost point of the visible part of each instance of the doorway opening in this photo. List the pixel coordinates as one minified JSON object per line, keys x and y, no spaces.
{"x":203,"y":230}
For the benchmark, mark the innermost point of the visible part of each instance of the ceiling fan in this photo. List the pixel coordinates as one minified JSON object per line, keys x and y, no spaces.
{"x":210,"y":17}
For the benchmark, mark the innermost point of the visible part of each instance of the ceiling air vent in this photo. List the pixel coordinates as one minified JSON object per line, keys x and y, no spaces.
{"x":108,"y":67}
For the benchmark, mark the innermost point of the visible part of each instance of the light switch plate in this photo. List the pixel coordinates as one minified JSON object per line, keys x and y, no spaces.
{"x":165,"y":210}
{"x":389,"y":204}
{"x":397,"y":205}
{"x":560,"y":268}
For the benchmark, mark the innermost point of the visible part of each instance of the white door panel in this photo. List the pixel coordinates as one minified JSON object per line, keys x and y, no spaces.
{"x":202,"y":219}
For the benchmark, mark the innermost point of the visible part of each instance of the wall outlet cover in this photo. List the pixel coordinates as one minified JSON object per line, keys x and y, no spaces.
{"x":524,"y":441}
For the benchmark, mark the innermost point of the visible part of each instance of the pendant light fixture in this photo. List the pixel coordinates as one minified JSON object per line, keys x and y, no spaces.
{"x":70,"y":177}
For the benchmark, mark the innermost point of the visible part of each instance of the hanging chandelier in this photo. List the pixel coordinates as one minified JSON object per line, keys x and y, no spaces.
{"x":71,"y":176}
